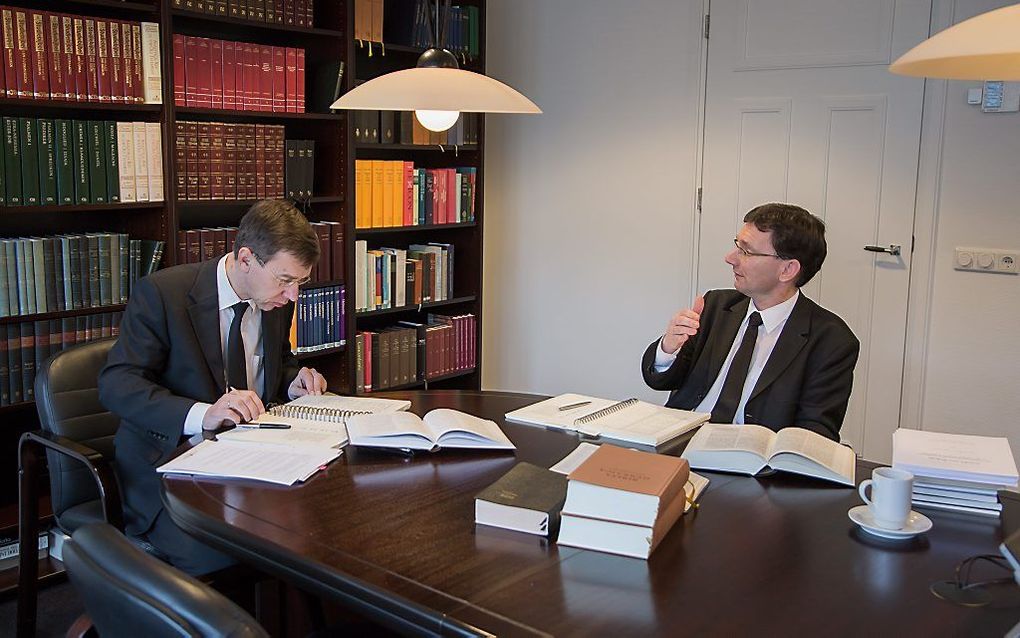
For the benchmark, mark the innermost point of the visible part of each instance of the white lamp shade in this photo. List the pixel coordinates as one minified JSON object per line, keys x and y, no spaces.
{"x":985,"y":47}
{"x":436,"y":89}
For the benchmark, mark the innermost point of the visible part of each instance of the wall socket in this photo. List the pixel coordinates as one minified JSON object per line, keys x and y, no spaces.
{"x":987,"y":260}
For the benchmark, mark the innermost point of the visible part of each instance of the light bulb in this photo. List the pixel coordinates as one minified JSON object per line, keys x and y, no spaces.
{"x":437,"y":121}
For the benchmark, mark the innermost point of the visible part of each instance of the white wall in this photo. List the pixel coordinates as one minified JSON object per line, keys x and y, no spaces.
{"x":589,"y":206}
{"x":589,"y":213}
{"x":962,"y":372}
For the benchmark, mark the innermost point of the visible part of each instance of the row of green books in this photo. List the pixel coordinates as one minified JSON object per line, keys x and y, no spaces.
{"x":69,"y":272}
{"x":62,"y":162}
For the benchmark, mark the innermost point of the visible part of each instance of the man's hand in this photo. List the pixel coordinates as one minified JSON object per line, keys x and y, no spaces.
{"x":683,"y":326}
{"x":236,"y":406}
{"x":307,"y":381}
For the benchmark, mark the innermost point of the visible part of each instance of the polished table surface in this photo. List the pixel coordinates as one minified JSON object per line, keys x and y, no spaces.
{"x":395,"y":538}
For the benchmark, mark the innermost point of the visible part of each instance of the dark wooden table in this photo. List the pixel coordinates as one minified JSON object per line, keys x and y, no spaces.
{"x":395,"y":538}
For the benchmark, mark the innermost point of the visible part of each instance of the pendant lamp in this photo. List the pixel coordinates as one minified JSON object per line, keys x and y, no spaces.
{"x":437,"y":90}
{"x":985,"y":47}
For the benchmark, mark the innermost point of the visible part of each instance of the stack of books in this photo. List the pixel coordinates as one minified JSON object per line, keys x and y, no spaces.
{"x":956,"y":472}
{"x":623,"y":501}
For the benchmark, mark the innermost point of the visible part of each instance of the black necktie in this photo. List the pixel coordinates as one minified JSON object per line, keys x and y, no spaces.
{"x":726,"y":407}
{"x":237,"y":367}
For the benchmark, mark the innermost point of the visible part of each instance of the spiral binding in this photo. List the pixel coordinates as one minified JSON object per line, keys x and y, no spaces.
{"x":313,"y":413}
{"x":616,"y":407}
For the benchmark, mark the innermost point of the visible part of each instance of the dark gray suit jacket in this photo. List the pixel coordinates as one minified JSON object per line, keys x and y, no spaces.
{"x":806,"y":381}
{"x":168,"y":357}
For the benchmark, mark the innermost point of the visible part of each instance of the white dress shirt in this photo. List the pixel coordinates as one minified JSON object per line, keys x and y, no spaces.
{"x":773,"y":320}
{"x":251,"y":335}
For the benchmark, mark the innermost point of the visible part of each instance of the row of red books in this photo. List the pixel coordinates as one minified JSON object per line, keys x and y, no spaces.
{"x":225,"y":160}
{"x":293,"y":13}
{"x":220,"y":74}
{"x":68,"y":57}
{"x":201,"y":244}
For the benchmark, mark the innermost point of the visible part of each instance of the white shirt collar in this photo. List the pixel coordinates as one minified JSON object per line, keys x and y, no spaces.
{"x":775,"y":316}
{"x":227,"y":296}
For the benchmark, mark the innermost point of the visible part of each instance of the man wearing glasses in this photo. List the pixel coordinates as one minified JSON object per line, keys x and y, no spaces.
{"x":202,"y":346}
{"x":763,"y":353}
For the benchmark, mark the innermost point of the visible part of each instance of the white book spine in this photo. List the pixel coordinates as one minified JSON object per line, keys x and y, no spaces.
{"x":152,"y":81}
{"x":65,"y":249}
{"x":126,"y":155}
{"x":401,"y":295}
{"x":141,"y":162}
{"x":154,"y":158}
{"x":458,"y":184}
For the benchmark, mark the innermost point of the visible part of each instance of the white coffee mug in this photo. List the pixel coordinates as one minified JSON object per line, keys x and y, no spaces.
{"x":890,"y":496}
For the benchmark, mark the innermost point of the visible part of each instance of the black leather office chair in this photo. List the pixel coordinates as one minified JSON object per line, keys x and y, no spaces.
{"x":77,"y":434}
{"x":129,"y":593}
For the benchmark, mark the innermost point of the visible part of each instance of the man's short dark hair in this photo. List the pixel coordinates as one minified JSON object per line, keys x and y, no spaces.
{"x":273,"y":225}
{"x":796,"y":234}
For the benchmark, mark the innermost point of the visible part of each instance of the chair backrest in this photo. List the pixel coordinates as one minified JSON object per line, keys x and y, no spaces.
{"x":67,"y":398}
{"x":129,"y":593}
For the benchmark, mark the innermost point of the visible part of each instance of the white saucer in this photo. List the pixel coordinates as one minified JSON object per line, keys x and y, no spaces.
{"x":916,"y":524}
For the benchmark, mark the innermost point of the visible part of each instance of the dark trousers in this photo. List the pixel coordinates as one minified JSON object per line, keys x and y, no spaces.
{"x":183,"y":551}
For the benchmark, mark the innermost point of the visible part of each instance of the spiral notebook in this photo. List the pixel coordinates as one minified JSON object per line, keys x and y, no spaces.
{"x":632,"y":421}
{"x":315,"y":421}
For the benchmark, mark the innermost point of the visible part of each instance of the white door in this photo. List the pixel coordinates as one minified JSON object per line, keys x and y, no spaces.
{"x":801,"y":108}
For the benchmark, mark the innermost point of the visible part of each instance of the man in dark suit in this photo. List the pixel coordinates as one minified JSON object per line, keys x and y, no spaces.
{"x":202,"y":346}
{"x":763,"y":353}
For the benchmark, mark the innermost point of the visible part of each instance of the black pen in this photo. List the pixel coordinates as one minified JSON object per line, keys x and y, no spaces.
{"x":265,"y":426}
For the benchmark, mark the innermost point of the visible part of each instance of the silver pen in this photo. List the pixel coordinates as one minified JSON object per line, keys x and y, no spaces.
{"x":571,"y":406}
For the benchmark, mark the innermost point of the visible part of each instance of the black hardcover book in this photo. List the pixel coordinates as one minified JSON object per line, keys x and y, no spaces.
{"x":58,"y":272}
{"x":49,"y":275}
{"x":75,"y":271}
{"x":3,"y":198}
{"x":92,"y":269}
{"x":405,"y":127}
{"x":27,"y":332}
{"x":47,"y":164}
{"x":526,"y":499}
{"x":14,"y":362}
{"x":10,"y":248}
{"x":5,"y":372}
{"x":291,"y":170}
{"x":124,"y":264}
{"x":97,"y":163}
{"x":112,"y":161}
{"x":41,"y":329}
{"x":81,"y":161}
{"x":12,"y":161}
{"x":28,"y":128}
{"x":387,"y":130}
{"x":63,"y":149}
{"x":308,"y":168}
{"x":105,"y":272}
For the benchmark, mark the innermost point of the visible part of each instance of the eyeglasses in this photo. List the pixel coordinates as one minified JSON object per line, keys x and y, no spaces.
{"x":285,"y":282}
{"x":750,"y":253}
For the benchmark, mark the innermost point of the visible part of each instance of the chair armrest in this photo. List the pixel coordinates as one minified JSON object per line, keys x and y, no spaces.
{"x":97,"y":464}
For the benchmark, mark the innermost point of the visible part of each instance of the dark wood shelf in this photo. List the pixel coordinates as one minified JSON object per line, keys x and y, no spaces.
{"x":421,"y":384}
{"x":37,"y":107}
{"x":230,"y":114}
{"x":60,"y":314}
{"x":435,"y":148}
{"x":322,"y":284}
{"x":320,"y":353}
{"x":77,"y":208}
{"x":254,"y":24}
{"x":424,"y":306}
{"x":50,"y":569}
{"x":118,"y":4}
{"x":215,"y":203}
{"x":389,"y":230}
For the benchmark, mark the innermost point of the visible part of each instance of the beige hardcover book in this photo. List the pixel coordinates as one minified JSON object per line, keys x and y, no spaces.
{"x":126,"y":161}
{"x":154,"y":160}
{"x":624,"y":485}
{"x":152,"y":82}
{"x":141,"y":162}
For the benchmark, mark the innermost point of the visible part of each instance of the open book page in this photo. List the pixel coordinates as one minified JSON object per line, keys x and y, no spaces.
{"x":233,"y":459}
{"x":393,"y":429}
{"x":729,"y":448}
{"x":302,"y":433}
{"x":806,"y":452}
{"x":455,"y":429}
{"x":547,"y":413}
{"x":644,"y":423}
{"x":966,"y":457}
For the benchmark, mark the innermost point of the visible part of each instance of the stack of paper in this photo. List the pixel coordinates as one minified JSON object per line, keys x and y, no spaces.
{"x":268,"y":462}
{"x":956,"y":472}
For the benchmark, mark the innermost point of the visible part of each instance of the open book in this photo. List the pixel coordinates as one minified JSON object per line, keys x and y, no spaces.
{"x":441,"y":428}
{"x":748,"y":449}
{"x":315,"y":421}
{"x":247,"y":460}
{"x":632,"y":421}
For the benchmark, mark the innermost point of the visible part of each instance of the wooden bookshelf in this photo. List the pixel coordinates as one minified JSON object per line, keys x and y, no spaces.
{"x":392,"y":230}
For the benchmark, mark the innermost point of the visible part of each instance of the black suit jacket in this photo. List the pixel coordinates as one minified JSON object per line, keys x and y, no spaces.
{"x":168,"y":357}
{"x":806,"y":381}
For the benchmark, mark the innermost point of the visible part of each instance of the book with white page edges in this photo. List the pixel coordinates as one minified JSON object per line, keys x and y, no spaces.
{"x":441,"y":428}
{"x":981,"y":460}
{"x":632,"y":421}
